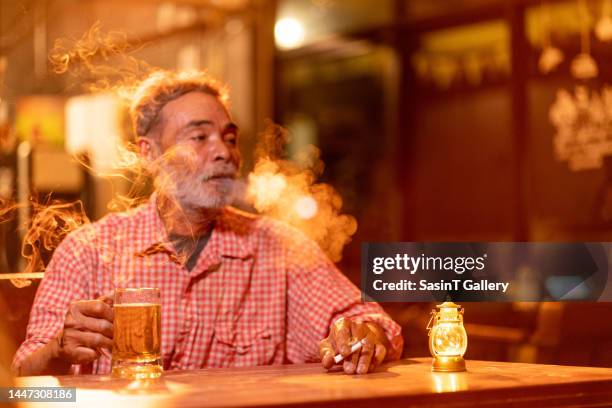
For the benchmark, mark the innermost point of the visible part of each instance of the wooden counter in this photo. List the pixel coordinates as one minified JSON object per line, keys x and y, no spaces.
{"x":404,"y":383}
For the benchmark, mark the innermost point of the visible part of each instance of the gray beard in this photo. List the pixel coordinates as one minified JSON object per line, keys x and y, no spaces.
{"x":213,"y":195}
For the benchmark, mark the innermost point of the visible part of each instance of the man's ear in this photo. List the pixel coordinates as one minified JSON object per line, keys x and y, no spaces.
{"x":148,"y":148}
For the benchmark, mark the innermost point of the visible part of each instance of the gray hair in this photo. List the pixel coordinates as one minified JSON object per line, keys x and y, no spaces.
{"x":161,"y":87}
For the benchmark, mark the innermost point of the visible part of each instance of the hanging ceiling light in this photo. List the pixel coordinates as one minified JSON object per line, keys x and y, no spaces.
{"x":551,"y":56}
{"x":583,"y":65}
{"x":603,"y":29}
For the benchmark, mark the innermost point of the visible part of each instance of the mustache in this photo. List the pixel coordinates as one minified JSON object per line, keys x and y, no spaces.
{"x":226,"y":172}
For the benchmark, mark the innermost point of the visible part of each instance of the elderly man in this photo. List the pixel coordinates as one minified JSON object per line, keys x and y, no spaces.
{"x":237,"y":289}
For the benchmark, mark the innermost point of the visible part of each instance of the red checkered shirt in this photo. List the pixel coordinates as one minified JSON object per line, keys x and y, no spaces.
{"x":260,"y":293}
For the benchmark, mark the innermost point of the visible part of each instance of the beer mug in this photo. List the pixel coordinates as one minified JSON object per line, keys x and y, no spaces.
{"x":137,"y":334}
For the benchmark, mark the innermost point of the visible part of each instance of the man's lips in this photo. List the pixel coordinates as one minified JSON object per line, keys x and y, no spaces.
{"x":224,"y":176}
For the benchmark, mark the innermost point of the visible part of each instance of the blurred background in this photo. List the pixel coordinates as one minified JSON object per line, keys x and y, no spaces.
{"x":446,"y":120}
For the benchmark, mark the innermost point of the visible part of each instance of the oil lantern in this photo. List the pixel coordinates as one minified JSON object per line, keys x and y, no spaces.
{"x":447,"y":337}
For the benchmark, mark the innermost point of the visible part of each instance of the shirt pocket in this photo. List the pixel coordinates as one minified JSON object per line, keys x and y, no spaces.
{"x":245,"y":345}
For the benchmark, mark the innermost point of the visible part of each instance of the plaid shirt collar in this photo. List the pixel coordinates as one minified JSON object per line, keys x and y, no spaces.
{"x":230,"y":236}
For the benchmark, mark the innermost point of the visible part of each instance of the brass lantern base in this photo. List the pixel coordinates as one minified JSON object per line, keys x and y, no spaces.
{"x":448,"y":364}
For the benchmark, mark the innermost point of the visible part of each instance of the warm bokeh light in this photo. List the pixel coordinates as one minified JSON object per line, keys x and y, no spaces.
{"x":306,"y":207}
{"x":288,"y":33}
{"x":93,"y":127}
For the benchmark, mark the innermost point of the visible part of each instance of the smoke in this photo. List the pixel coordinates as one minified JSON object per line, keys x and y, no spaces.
{"x":277,"y":187}
{"x":101,"y":61}
{"x":50,"y":222}
{"x":104,"y":63}
{"x":7,"y":210}
{"x":287,"y":190}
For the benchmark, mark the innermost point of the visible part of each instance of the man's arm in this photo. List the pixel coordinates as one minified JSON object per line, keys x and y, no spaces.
{"x":319,"y":297}
{"x":62,"y":330}
{"x":45,"y":360}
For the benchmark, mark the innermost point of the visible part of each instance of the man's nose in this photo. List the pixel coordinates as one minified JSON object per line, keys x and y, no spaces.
{"x":219,"y":150}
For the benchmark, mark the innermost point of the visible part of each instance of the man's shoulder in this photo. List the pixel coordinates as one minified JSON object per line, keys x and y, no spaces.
{"x":110,"y":224}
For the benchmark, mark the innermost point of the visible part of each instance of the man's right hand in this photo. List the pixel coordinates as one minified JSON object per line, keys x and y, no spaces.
{"x":88,"y":327}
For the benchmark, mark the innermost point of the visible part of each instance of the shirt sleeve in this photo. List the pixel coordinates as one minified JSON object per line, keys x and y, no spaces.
{"x":64,"y":281}
{"x":318,"y":295}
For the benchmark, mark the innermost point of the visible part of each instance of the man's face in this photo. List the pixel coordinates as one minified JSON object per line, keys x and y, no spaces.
{"x":199,"y":155}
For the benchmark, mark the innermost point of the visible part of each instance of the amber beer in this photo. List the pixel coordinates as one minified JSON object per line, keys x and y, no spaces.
{"x":137,"y":334}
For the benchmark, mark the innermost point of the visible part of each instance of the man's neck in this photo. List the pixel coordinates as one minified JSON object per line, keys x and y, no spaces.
{"x":183,"y":220}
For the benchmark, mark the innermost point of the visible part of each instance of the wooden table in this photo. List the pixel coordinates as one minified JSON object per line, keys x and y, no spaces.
{"x":404,"y":383}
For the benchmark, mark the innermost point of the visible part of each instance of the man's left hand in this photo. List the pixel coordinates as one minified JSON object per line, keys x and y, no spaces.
{"x":343,"y":335}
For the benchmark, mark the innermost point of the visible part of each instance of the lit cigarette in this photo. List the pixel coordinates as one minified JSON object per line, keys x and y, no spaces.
{"x":338,"y":358}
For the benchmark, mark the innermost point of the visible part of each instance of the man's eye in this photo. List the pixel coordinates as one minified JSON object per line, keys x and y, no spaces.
{"x":231,"y":139}
{"x":198,"y":138}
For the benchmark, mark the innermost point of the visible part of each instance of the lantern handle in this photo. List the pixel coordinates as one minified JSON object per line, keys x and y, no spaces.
{"x":433,"y":316}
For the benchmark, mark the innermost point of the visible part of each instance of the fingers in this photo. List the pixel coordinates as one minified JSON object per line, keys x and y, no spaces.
{"x":359,"y":331}
{"x":82,"y":355}
{"x":380,"y":352}
{"x":346,"y":333}
{"x":79,"y":347}
{"x":327,"y":353}
{"x":350,"y":364}
{"x":341,"y":336}
{"x":88,"y":328}
{"x":94,"y":340}
{"x":108,"y":299}
{"x":89,"y":324}
{"x":95,"y":308}
{"x":365,"y":357}
{"x":90,"y":315}
{"x":339,"y":340}
{"x":77,"y":338}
